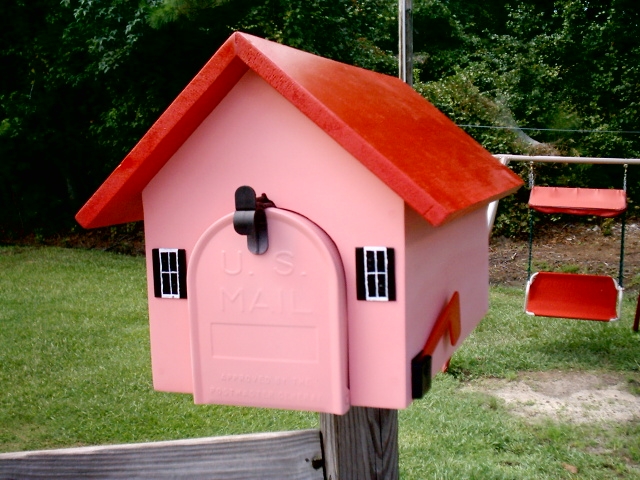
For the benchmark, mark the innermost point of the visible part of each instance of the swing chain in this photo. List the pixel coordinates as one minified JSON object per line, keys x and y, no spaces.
{"x":530,"y":214}
{"x":622,"y":233}
{"x":531,"y":175}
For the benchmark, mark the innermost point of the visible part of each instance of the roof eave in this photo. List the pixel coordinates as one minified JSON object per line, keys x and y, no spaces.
{"x":119,"y":198}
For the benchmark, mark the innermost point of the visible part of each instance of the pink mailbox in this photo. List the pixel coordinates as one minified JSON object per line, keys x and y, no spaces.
{"x":316,"y":233}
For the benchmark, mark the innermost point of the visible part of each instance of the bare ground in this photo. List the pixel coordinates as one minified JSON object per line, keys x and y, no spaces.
{"x":575,"y":397}
{"x":580,"y":248}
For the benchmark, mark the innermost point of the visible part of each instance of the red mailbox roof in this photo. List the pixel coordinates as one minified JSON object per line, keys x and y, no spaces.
{"x":416,"y":150}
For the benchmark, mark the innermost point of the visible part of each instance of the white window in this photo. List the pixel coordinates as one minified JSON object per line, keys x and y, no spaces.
{"x":376,"y":274}
{"x":169,"y":273}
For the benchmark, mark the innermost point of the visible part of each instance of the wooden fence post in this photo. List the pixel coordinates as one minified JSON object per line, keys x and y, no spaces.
{"x":361,"y":445}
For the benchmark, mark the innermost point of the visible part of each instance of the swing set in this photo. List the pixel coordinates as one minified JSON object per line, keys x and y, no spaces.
{"x":573,"y":295}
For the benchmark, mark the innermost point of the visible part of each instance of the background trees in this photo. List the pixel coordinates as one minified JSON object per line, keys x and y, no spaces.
{"x":82,"y":80}
{"x":568,"y":64}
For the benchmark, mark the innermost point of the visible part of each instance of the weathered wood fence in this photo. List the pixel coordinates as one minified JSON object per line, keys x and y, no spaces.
{"x":281,"y":456}
{"x":360,"y":445}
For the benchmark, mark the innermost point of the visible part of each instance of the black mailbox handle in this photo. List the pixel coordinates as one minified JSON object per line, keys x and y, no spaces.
{"x":250,"y":219}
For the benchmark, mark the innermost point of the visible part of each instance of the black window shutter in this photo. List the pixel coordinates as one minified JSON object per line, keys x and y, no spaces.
{"x":182,"y":272}
{"x":155,"y":260}
{"x":378,"y":274}
{"x":361,"y":291}
{"x":391,"y":266}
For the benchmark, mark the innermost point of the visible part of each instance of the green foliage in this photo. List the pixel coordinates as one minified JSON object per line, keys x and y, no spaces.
{"x":167,"y":11}
{"x":64,"y":56}
{"x":355,"y":32}
{"x":89,"y":77}
{"x":567,"y":64}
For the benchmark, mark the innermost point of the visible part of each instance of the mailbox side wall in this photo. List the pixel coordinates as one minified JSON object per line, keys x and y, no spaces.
{"x":443,"y":260}
{"x":257,"y":138}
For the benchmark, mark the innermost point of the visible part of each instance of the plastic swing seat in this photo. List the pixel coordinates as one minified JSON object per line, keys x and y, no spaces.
{"x":568,"y":295}
{"x":578,"y":201}
{"x":577,"y":296}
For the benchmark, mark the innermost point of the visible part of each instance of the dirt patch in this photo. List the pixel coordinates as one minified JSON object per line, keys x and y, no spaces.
{"x":578,"y":248}
{"x":576,"y":397}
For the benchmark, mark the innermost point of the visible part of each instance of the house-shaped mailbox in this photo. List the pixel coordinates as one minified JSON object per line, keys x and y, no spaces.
{"x":371,"y":234}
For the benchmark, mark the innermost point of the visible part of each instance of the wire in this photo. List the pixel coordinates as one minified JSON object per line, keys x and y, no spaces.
{"x":551,"y":129}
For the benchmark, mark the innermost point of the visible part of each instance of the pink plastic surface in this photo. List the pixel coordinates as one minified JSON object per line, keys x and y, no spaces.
{"x":269,"y":330}
{"x":444,"y":260}
{"x":241,"y":144}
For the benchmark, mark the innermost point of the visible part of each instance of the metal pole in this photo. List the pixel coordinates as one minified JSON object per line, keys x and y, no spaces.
{"x":554,"y":159}
{"x":505,"y":159}
{"x":405,"y":41}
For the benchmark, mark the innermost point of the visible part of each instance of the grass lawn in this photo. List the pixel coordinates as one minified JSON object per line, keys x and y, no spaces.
{"x":75,"y":370}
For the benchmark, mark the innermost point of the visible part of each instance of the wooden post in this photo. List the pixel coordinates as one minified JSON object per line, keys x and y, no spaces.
{"x":405,"y":40}
{"x":361,"y":445}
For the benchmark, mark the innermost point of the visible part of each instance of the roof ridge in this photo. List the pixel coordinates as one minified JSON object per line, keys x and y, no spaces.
{"x":434,"y":166}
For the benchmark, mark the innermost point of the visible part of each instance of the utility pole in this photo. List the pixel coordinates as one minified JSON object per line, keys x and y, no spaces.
{"x":363,"y":443}
{"x":405,"y":41}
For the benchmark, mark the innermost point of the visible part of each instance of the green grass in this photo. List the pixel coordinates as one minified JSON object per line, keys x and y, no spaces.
{"x":507,"y":341}
{"x":75,"y":362}
{"x":75,"y":370}
{"x":453,"y":433}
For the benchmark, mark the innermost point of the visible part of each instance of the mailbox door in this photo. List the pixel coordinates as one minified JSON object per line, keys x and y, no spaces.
{"x":269,"y":330}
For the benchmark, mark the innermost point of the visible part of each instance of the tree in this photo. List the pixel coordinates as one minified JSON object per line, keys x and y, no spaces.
{"x":567,"y":64}
{"x":359,"y":32}
{"x":89,"y":77}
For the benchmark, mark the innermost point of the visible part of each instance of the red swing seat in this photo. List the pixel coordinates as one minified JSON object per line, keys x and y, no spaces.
{"x":578,"y":201}
{"x":569,"y":295}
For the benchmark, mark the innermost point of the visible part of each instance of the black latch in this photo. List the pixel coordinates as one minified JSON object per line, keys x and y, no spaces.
{"x":250,"y":219}
{"x":420,"y":375}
